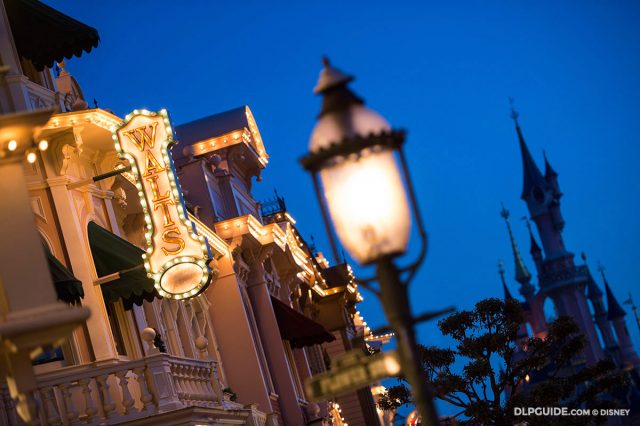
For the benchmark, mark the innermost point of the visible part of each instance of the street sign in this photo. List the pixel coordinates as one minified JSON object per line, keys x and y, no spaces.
{"x":351,"y":371}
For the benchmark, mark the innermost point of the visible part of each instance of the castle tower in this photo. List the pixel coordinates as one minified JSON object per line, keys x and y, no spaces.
{"x":558,"y":276}
{"x":535,"y":250}
{"x":594,"y":294}
{"x":534,"y":313}
{"x":522,"y":329}
{"x":616,"y":315}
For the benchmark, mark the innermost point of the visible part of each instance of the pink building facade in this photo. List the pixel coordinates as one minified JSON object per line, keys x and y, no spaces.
{"x":239,"y":352}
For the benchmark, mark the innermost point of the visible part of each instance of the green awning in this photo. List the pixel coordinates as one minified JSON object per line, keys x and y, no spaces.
{"x":111,"y":255}
{"x":68,"y":288}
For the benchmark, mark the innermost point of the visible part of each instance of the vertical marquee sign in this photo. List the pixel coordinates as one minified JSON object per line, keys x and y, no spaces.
{"x":176,"y":257}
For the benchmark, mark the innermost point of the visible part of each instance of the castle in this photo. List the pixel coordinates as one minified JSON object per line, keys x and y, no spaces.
{"x":564,"y":287}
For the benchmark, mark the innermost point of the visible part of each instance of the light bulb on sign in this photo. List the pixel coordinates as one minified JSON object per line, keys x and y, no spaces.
{"x":31,"y":157}
{"x":43,"y":145}
{"x":12,"y":145}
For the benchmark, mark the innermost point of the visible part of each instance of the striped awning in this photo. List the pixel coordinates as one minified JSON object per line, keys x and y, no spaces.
{"x":45,"y":36}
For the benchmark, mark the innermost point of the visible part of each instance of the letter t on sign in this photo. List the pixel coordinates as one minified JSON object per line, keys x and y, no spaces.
{"x":176,"y":257}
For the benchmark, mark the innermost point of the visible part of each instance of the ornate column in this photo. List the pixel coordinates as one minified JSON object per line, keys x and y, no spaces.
{"x":270,"y":335}
{"x":74,"y":234}
{"x":30,"y":315}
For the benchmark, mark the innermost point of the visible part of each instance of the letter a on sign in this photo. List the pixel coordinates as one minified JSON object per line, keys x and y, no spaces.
{"x":177,"y":257}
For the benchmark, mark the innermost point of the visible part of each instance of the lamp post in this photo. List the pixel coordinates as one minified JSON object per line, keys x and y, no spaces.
{"x":353,"y":152}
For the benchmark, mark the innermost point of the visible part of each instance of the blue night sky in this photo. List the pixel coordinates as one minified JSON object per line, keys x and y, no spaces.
{"x":444,"y":73}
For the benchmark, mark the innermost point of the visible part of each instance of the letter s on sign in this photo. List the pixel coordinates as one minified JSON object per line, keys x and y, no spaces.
{"x":171,"y":236}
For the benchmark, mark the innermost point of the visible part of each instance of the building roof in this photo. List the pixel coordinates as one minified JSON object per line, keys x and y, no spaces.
{"x":337,"y":275}
{"x":45,"y":36}
{"x":532,"y":176}
{"x":549,"y":172}
{"x":507,"y":293}
{"x":219,"y":131}
{"x":212,"y":125}
{"x":614,"y":308}
{"x":534,"y":247}
{"x":523,"y":275}
{"x":593,"y":291}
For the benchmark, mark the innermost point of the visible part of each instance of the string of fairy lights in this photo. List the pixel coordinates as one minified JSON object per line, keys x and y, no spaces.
{"x":30,"y":153}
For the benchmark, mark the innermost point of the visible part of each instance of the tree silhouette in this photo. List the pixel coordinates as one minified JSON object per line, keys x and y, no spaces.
{"x":487,"y":375}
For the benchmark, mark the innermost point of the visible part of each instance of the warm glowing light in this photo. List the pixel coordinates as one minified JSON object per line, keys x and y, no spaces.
{"x":12,"y":145}
{"x":43,"y":145}
{"x":526,"y":378}
{"x":368,"y":205}
{"x":31,"y":157}
{"x":176,"y":257}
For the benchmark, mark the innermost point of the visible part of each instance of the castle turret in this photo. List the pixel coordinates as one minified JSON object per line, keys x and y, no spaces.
{"x":551,"y":176}
{"x":535,"y":250}
{"x":594,"y":294}
{"x":542,"y":201}
{"x":523,"y":276}
{"x":559,"y":278}
{"x":522,"y":329}
{"x":616,"y":315}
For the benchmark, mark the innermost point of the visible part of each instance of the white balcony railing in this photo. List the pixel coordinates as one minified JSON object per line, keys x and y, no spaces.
{"x":123,"y":391}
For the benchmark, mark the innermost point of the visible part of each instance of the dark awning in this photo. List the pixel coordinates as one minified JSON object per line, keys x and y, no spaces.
{"x":299,"y":330}
{"x":68,"y":288}
{"x":44,"y":35}
{"x":111,"y":255}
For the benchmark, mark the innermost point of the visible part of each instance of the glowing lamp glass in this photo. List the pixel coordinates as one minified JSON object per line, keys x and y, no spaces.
{"x":31,"y":157}
{"x":12,"y":145}
{"x":43,"y":145}
{"x":368,"y":205}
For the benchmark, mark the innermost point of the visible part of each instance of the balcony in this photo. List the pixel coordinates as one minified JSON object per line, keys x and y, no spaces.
{"x":29,"y":95}
{"x":170,"y":389}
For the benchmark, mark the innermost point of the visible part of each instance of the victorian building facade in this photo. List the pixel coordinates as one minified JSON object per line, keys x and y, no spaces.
{"x":274,"y":314}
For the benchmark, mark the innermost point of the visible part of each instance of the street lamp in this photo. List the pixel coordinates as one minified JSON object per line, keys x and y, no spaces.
{"x":353,"y":151}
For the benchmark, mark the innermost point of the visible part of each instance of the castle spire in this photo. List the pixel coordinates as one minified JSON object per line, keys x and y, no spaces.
{"x":614,"y":308}
{"x":593,"y":291}
{"x":505,"y":289}
{"x":532,"y":177}
{"x":523,"y":276}
{"x":533,"y":244}
{"x":549,"y":172}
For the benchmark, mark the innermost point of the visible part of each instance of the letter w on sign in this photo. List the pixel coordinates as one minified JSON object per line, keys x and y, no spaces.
{"x":176,"y":256}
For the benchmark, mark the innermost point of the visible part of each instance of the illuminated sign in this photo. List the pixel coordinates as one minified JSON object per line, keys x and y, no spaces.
{"x":176,"y":257}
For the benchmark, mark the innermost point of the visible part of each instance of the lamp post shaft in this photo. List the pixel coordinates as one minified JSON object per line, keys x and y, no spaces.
{"x":395,"y":302}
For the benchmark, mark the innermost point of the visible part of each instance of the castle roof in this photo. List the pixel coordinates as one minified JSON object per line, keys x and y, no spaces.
{"x":593,"y":290}
{"x":615,"y":310}
{"x":532,"y":176}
